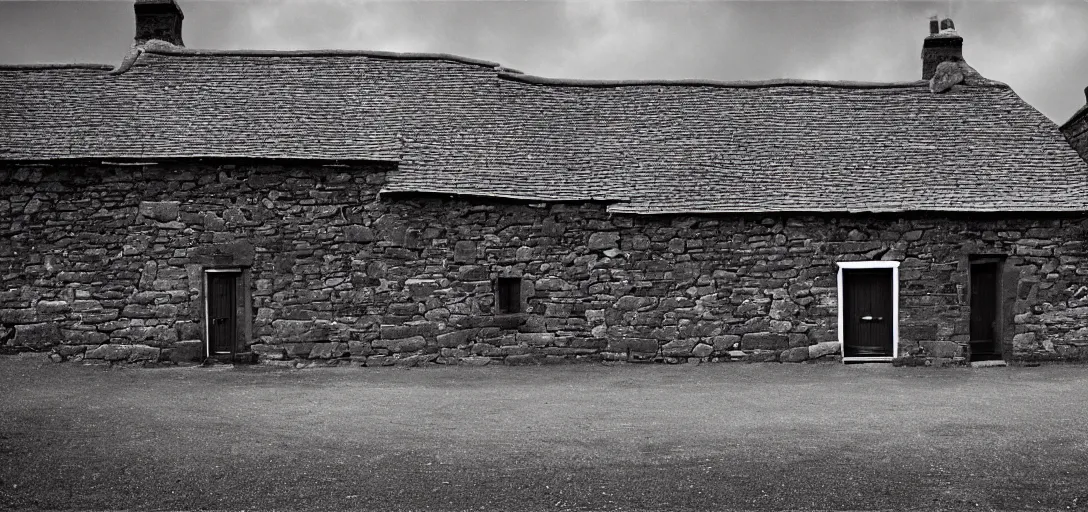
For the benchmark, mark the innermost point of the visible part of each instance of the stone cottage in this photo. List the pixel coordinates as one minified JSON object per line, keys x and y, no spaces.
{"x":371,"y":208}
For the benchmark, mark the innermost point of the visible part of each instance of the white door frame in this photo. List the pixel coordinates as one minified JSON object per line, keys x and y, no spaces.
{"x":850,"y":265}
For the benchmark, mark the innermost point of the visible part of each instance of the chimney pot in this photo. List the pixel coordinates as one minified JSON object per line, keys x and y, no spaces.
{"x":944,"y":46}
{"x":158,"y":19}
{"x":1086,"y":95}
{"x":934,"y":26}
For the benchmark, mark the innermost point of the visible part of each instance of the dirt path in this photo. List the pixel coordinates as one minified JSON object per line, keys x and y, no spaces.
{"x":543,"y":438}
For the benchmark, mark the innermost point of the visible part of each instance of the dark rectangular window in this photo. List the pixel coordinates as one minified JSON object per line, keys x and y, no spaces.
{"x":508,"y":295}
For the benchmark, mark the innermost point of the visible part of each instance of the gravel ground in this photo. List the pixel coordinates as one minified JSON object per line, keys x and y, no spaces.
{"x":583,"y":437}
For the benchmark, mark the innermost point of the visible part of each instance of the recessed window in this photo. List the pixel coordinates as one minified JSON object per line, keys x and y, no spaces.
{"x":508,"y":295}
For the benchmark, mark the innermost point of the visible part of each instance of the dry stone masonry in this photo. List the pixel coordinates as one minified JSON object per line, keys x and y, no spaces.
{"x":107,"y":262}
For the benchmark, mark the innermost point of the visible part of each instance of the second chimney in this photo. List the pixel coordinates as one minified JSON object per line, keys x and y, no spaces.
{"x":940,"y":46}
{"x":158,"y":19}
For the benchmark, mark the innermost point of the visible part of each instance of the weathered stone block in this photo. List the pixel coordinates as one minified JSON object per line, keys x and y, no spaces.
{"x":457,"y":338}
{"x":299,"y":331}
{"x":591,"y":344}
{"x":557,"y":310}
{"x":298,"y":349}
{"x":157,"y":335}
{"x":514,"y":350}
{"x":143,"y":353}
{"x":85,"y":305}
{"x":421,"y":289}
{"x":464,"y":251}
{"x":148,"y":297}
{"x":678,"y":348}
{"x":100,"y":317}
{"x":138,"y":311}
{"x":600,"y":241}
{"x":536,"y":339}
{"x":268,"y":352}
{"x":67,"y":351}
{"x":676,"y":245}
{"x":74,"y":337}
{"x":822,"y":349}
{"x":187,"y":330}
{"x":357,"y":233}
{"x":161,"y":211}
{"x":632,"y":303}
{"x":110,"y":352}
{"x":472,"y":273}
{"x":19,"y":316}
{"x":939,"y":362}
{"x":550,"y":284}
{"x":321,"y":351}
{"x":37,"y":336}
{"x":762,"y":356}
{"x":946,"y":349}
{"x":504,"y":322}
{"x":51,"y":307}
{"x":726,"y":342}
{"x":794,"y":355}
{"x":165,"y":310}
{"x":636,"y":345}
{"x":486,"y":349}
{"x":764,"y":341}
{"x":182,"y":352}
{"x":1024,"y":341}
{"x":380,"y":360}
{"x":411,"y":344}
{"x":408,"y":330}
{"x":636,"y":243}
{"x":918,"y":331}
{"x":408,"y":361}
{"x":702,"y":350}
{"x":359,"y":348}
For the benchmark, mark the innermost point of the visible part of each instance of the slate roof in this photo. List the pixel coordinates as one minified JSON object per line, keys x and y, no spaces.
{"x":469,"y":127}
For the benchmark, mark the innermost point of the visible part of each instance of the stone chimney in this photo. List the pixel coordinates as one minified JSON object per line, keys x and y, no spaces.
{"x":158,"y":19}
{"x":940,"y":46}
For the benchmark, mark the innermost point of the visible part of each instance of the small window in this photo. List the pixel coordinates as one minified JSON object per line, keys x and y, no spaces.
{"x":508,"y":295}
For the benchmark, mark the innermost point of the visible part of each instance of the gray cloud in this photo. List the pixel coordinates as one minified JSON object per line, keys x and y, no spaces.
{"x":1039,"y":48}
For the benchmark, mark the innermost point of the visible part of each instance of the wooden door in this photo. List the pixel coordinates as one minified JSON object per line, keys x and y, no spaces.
{"x":984,"y":311}
{"x":867,"y":312}
{"x":222,"y":324}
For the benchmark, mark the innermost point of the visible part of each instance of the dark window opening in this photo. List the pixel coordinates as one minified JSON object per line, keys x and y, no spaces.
{"x":508,"y":295}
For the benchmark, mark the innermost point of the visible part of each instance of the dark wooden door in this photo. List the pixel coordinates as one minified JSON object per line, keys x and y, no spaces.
{"x":867,"y":312}
{"x":221,"y":312}
{"x":984,"y":311}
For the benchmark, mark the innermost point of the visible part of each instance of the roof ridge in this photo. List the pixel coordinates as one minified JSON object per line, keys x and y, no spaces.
{"x":164,"y":48}
{"x":978,"y":81}
{"x":80,"y":65}
{"x":740,"y":84}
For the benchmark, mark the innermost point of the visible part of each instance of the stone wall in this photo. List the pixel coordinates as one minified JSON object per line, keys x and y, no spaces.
{"x":106,"y":262}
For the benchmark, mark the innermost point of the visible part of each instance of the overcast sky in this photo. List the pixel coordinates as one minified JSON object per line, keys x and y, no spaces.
{"x":1038,"y":47}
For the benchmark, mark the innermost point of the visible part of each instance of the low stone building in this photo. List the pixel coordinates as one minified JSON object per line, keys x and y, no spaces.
{"x":376,"y":208}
